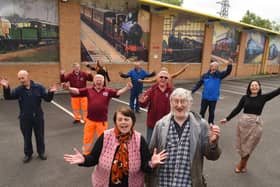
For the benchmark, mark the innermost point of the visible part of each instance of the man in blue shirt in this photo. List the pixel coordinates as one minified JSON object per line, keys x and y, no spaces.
{"x":211,"y":90}
{"x":137,"y":73}
{"x":29,"y":95}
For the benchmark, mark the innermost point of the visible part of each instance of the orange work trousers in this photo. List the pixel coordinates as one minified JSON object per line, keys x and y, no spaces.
{"x":78,"y":104}
{"x":89,"y":130}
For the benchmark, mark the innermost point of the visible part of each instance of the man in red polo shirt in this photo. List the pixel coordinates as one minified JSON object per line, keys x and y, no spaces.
{"x":98,"y":102}
{"x":157,"y":100}
{"x":77,"y":79}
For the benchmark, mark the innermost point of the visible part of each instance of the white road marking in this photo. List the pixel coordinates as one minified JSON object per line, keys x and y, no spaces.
{"x":123,"y":102}
{"x":72,"y":115}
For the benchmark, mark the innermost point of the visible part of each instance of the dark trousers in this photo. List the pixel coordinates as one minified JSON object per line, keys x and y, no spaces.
{"x":203,"y":108}
{"x":26,"y":126}
{"x":133,"y":101}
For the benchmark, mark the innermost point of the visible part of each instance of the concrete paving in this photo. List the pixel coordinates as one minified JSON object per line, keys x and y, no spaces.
{"x":61,"y":136}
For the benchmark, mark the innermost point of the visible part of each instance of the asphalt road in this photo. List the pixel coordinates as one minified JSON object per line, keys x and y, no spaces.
{"x":61,"y":136}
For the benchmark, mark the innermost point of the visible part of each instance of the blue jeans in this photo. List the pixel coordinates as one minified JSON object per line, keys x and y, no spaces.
{"x":133,"y":101}
{"x":149,"y":134}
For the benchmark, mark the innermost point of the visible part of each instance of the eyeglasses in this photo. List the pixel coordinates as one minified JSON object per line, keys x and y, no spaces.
{"x":163,"y":77}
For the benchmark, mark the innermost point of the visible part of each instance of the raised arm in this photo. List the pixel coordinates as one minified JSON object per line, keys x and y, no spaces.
{"x":89,"y":66}
{"x":235,"y":111}
{"x":176,"y":74}
{"x":228,"y":70}
{"x":151,"y":74}
{"x":271,"y":95}
{"x":48,"y":95}
{"x":123,"y":75}
{"x":71,"y":89}
{"x":63,"y":77}
{"x":8,"y":94}
{"x":124,"y":89}
{"x":152,"y":80}
{"x":198,"y":85}
{"x":107,"y":74}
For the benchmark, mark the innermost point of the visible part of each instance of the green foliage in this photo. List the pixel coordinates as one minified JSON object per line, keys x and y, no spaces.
{"x":173,"y":2}
{"x":253,"y":19}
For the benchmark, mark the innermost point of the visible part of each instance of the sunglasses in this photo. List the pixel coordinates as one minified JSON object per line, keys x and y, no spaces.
{"x":163,"y":77}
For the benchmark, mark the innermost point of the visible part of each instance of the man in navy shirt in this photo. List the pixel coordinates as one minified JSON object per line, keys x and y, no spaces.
{"x":137,"y":73}
{"x":29,"y":95}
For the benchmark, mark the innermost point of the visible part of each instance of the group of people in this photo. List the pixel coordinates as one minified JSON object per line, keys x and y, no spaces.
{"x":177,"y":138}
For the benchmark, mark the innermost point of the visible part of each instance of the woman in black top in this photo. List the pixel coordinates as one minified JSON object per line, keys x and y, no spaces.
{"x":100,"y":70}
{"x":249,"y":127}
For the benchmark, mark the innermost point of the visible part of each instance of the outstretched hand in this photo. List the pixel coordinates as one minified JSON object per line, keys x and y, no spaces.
{"x":65,"y":86}
{"x":214,"y":134}
{"x":4,"y":82}
{"x":158,"y":158}
{"x":62,"y":72}
{"x":77,"y":158}
{"x":129,"y":85}
{"x":142,"y":98}
{"x":230,"y":61}
{"x":223,"y":121}
{"x":53,"y":88}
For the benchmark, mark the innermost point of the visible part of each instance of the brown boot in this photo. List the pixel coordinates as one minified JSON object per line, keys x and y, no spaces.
{"x":242,"y":165}
{"x":244,"y":161}
{"x":238,"y":167}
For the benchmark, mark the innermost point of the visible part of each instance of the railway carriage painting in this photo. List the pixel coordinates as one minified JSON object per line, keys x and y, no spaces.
{"x":225,"y":41}
{"x":114,"y":36}
{"x":28,"y":31}
{"x":273,"y":53}
{"x":254,"y":48}
{"x":182,"y":39}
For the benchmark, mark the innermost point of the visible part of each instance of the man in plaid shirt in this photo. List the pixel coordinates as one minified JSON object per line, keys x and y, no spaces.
{"x":187,"y":138}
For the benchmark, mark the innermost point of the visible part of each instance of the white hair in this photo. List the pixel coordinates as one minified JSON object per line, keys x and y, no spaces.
{"x":184,"y":94}
{"x":99,"y":75}
{"x":214,"y":63}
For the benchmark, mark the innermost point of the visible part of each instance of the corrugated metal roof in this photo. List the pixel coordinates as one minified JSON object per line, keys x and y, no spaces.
{"x":168,"y":7}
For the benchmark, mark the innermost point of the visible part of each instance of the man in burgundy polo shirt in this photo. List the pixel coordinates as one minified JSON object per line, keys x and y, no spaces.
{"x":77,"y":79}
{"x":98,"y":102}
{"x":157,"y":100}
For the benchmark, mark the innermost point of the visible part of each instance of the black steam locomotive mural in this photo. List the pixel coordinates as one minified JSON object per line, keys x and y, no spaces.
{"x":121,"y":30}
{"x":274,"y":47}
{"x":225,"y":41}
{"x":254,"y":47}
{"x":273,"y":52}
{"x":182,"y":39}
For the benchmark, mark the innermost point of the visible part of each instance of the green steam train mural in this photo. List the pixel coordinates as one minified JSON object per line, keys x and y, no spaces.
{"x":28,"y":31}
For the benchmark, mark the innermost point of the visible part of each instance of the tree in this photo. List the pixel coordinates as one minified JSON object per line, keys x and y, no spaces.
{"x":173,"y":2}
{"x":253,"y":19}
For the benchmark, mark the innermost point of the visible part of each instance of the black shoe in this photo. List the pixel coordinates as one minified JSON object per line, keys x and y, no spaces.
{"x":42,"y":156}
{"x":138,"y":111}
{"x":76,"y":121}
{"x":26,"y":159}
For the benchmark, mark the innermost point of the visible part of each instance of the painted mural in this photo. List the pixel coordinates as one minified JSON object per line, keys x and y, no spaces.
{"x":114,"y":36}
{"x":182,"y":39}
{"x":254,"y":48}
{"x":28,"y":31}
{"x":274,"y":47}
{"x":225,"y":41}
